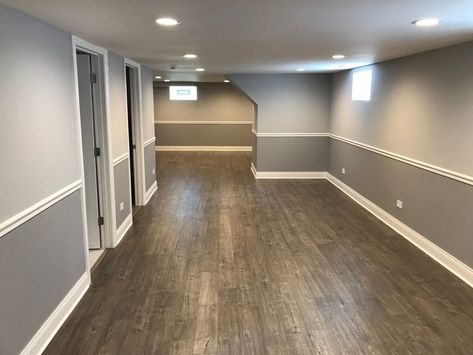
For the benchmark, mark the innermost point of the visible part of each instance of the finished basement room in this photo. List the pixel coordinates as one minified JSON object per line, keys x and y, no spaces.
{"x":236,"y":177}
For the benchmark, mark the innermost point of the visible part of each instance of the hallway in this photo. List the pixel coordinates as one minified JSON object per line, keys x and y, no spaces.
{"x":219,"y":263}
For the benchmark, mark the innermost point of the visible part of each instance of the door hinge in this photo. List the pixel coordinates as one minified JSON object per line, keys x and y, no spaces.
{"x":101,"y":221}
{"x":93,"y":78}
{"x":133,"y":146}
{"x":97,"y":151}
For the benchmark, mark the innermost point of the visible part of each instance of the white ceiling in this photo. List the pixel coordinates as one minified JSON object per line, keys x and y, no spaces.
{"x":264,"y":36}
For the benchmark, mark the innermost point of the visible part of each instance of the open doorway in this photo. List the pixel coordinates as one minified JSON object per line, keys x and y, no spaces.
{"x":91,"y":119}
{"x":132,"y":98}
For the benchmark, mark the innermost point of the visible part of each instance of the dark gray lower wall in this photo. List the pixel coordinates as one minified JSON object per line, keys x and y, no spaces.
{"x":40,"y":262}
{"x":437,"y":207}
{"x":203,"y":134}
{"x":292,"y":153}
{"x":150,"y":165}
{"x":122,"y":191}
{"x":254,"y":151}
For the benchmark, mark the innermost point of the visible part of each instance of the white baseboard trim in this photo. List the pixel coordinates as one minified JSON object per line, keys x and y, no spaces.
{"x":50,"y":327}
{"x":287,"y":174}
{"x":151,"y":192}
{"x":189,"y":148}
{"x":205,"y":122}
{"x":448,"y":261}
{"x":124,"y":227}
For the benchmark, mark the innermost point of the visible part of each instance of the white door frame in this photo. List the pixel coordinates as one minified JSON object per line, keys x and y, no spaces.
{"x":107,"y":160}
{"x":140,"y":184}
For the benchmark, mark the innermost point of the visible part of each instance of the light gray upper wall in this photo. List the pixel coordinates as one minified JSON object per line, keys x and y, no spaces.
{"x":117,"y":100}
{"x":147,"y":102}
{"x":216,"y":102}
{"x":297,"y":103}
{"x":421,"y":107}
{"x":38,"y":132}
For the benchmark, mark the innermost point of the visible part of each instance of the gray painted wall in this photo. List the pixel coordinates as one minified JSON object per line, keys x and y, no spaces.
{"x":117,"y":100}
{"x":421,"y":107}
{"x":121,"y":172}
{"x":216,"y":102}
{"x":119,"y":120}
{"x":148,"y":125}
{"x":40,"y":262}
{"x":42,"y":259}
{"x":147,"y":102}
{"x":288,"y":103}
{"x":150,"y":163}
{"x":293,"y":154}
{"x":437,"y":207}
{"x":32,"y":54}
{"x":203,"y":135}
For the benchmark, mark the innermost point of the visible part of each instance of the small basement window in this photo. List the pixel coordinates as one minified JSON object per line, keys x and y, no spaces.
{"x":183,"y":93}
{"x":361,"y":86}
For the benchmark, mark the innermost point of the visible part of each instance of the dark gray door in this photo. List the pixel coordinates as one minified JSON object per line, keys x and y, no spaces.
{"x":89,"y":147}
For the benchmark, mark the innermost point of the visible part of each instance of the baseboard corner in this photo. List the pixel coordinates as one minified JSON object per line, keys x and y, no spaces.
{"x":51,"y":326}
{"x":150,"y":192}
{"x":123,"y":229}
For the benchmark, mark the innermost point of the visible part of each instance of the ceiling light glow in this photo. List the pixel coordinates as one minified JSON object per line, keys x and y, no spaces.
{"x":190,"y":56}
{"x":199,"y":69}
{"x":167,"y":21}
{"x":226,"y":81}
{"x":300,"y":69}
{"x":167,"y":80}
{"x":338,"y":56}
{"x":426,"y":22}
{"x":157,"y":77}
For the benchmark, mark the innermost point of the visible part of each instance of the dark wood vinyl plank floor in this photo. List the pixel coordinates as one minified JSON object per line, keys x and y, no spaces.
{"x":219,"y":263}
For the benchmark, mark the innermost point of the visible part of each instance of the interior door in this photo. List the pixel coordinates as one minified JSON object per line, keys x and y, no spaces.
{"x":89,"y":147}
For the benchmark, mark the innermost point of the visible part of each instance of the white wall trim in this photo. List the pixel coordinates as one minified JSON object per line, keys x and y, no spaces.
{"x":123,"y":229}
{"x":131,"y":62}
{"x":289,"y":135}
{"x":287,"y":174}
{"x":121,"y":158}
{"x":192,"y":148}
{"x":205,"y":122}
{"x":417,"y":163}
{"x":151,"y":192}
{"x":28,"y":213}
{"x":467,"y":179}
{"x":50,"y":327}
{"x":149,"y":141}
{"x":445,"y":259}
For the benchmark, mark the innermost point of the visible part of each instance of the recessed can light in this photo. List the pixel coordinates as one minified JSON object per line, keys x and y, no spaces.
{"x":199,"y":69}
{"x":190,"y":56}
{"x":167,"y":21}
{"x":300,"y":69}
{"x":338,"y":56}
{"x":426,"y":22}
{"x":157,"y":77}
